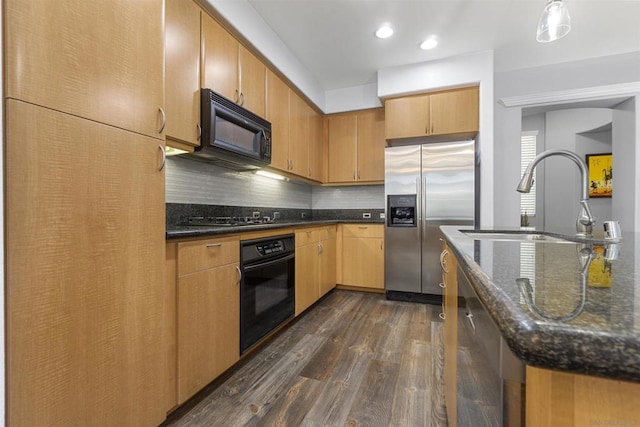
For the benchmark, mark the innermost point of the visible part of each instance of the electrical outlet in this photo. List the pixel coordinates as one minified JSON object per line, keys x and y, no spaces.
{"x":276,"y":215}
{"x":382,"y":215}
{"x":366,"y":215}
{"x":256,"y":214}
{"x":303,"y":215}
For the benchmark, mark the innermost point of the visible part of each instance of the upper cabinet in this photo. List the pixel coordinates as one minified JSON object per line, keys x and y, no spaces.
{"x":230,"y":69}
{"x":356,"y":146}
{"x":440,"y":113}
{"x":299,"y":135}
{"x":278,"y":114}
{"x":118,"y":60}
{"x":182,"y":71}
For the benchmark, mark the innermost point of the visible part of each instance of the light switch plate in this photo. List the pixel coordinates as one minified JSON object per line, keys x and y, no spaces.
{"x":366,"y":215}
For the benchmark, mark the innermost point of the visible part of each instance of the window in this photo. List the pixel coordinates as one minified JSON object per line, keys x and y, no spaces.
{"x":528,"y":141}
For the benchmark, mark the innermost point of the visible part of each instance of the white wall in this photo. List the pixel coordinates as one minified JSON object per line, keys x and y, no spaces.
{"x":575,"y":75}
{"x":626,"y":166}
{"x":352,"y":98}
{"x":475,"y":68}
{"x":561,"y":176}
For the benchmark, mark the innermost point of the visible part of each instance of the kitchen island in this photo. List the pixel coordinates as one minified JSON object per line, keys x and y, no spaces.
{"x":570,"y":311}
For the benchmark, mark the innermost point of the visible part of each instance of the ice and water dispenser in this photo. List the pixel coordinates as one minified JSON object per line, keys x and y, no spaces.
{"x":401,"y":210}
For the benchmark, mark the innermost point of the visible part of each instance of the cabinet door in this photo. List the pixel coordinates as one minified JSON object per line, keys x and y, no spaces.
{"x":316,"y":156}
{"x":307,"y":289}
{"x":208,"y":327}
{"x":407,"y":117}
{"x":327,"y":269}
{"x":100,"y":60}
{"x":252,"y":82}
{"x":299,"y":136}
{"x":455,"y":111}
{"x":219,"y":59}
{"x":278,"y":114}
{"x":363,"y":262}
{"x":342,"y":148}
{"x":85,"y":254}
{"x":371,"y":145}
{"x":182,"y":68}
{"x":449,"y":277}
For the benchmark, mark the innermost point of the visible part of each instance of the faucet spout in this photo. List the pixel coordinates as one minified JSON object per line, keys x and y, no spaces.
{"x":585,"y":221}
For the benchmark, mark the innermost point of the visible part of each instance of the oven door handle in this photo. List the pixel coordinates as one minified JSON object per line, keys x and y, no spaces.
{"x":247,"y":268}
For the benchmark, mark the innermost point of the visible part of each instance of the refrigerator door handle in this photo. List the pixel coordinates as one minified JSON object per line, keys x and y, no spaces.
{"x":423,"y":208}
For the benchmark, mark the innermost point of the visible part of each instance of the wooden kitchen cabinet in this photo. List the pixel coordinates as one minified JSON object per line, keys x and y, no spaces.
{"x":99,"y":60}
{"x":363,"y":255}
{"x":449,"y":266}
{"x":278,"y":114}
{"x":298,"y":135}
{"x":315,"y":265}
{"x":356,"y":146}
{"x":230,"y":69}
{"x":448,"y":112}
{"x":182,"y":72}
{"x":316,"y":151}
{"x":208,"y":312}
{"x":85,"y":255}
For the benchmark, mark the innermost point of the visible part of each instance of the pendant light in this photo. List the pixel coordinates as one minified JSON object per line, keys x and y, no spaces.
{"x":555,"y":22}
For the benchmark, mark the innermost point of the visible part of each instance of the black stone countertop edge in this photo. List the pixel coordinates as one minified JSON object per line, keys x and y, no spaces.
{"x":555,"y":346}
{"x":180,"y":232}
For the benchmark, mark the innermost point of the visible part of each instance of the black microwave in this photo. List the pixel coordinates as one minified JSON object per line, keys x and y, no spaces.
{"x":232,"y":136}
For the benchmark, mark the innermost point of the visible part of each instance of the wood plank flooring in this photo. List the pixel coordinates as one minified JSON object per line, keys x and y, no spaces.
{"x":353,"y":359}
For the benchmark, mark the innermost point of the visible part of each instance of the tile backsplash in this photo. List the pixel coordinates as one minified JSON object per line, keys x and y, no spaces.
{"x":193,"y":182}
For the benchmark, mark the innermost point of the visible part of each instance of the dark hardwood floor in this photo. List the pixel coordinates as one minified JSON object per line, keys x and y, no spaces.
{"x":353,"y":359}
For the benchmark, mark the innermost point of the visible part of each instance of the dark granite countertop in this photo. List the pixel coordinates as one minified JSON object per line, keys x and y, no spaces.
{"x":577,"y":312}
{"x":184,"y":231}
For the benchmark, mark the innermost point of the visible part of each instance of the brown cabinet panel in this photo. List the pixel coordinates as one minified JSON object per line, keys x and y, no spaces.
{"x":455,"y":111}
{"x":363,"y":230}
{"x":371,"y":145}
{"x":343,"y":135}
{"x":307,"y":267}
{"x":252,"y":82}
{"x":363,"y":262}
{"x":407,"y":117}
{"x":277,"y":113}
{"x":450,"y":281}
{"x":85,"y":255}
{"x":327,"y":269}
{"x":98,"y":60}
{"x":203,"y":254}
{"x":219,"y":59}
{"x":316,"y":152}
{"x":182,"y":70}
{"x":299,"y":136}
{"x":208,"y":327}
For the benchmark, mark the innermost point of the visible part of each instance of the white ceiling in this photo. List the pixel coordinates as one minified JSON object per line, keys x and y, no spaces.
{"x":334,"y":39}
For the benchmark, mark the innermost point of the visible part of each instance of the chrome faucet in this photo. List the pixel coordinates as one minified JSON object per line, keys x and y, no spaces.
{"x":585,"y":221}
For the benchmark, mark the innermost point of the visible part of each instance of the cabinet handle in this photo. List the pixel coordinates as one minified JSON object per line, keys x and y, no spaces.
{"x":320,"y":248}
{"x":358,"y":175}
{"x":239,"y":274}
{"x":236,"y":96}
{"x":354,"y":175}
{"x":381,"y":245}
{"x":241,"y":99}
{"x":164,"y":158}
{"x":470,"y":319}
{"x":213,"y":245}
{"x":362,"y":228}
{"x":441,"y":315}
{"x":443,"y":261}
{"x":442,"y":285}
{"x":164,"y":120}
{"x":199,"y":131}
{"x":309,"y":171}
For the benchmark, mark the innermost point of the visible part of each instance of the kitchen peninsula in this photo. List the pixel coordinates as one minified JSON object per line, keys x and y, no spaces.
{"x":569,"y":311}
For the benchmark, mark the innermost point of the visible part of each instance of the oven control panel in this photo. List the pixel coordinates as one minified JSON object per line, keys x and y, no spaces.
{"x":270,"y":247}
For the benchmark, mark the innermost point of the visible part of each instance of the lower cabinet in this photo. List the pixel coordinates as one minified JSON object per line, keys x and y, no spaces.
{"x":315,"y":265}
{"x":208,"y":312}
{"x":450,"y":304}
{"x":363,"y":255}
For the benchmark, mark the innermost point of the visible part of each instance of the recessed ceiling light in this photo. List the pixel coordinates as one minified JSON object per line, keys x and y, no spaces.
{"x":384,"y":32}
{"x":429,"y":43}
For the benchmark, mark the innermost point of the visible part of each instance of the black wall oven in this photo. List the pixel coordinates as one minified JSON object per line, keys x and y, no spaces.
{"x":267,"y":287}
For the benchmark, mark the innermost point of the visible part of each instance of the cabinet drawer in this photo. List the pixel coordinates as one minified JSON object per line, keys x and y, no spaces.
{"x":203,"y":254}
{"x":306,"y":236}
{"x":363,"y":230}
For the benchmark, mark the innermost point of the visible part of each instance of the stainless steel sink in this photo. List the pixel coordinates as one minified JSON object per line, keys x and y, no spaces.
{"x":514,"y":236}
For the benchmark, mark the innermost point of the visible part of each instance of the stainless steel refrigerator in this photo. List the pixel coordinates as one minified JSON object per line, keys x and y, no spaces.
{"x":426,"y":186}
